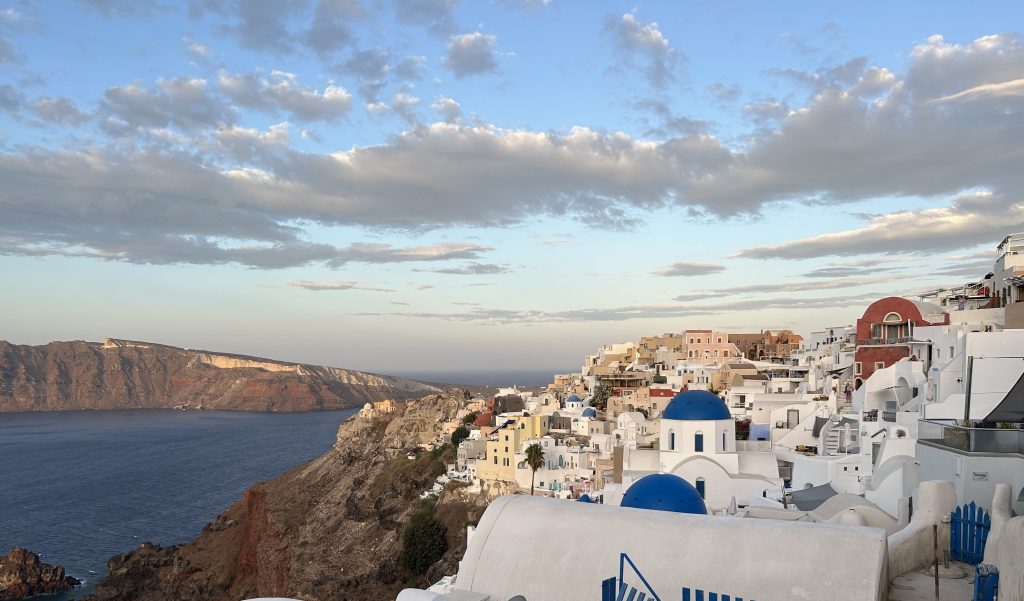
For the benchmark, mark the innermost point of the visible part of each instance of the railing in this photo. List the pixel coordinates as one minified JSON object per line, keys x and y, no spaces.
{"x":889,"y":416}
{"x":754,"y":445}
{"x":971,"y":440}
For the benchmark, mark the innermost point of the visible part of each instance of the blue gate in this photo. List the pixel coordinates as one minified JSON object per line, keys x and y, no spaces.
{"x":968,"y":533}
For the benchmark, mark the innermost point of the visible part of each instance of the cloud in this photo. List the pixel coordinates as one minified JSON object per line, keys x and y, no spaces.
{"x":262,"y":25}
{"x":968,"y":221}
{"x":184,"y":102}
{"x":401,"y":104}
{"x":281,"y":94}
{"x":725,"y":93}
{"x":59,"y":110}
{"x":471,"y":54}
{"x":1014,"y":88}
{"x":385,"y":253}
{"x":330,"y":31}
{"x":473,"y":269}
{"x":644,"y":41}
{"x":7,"y":52}
{"x":802,"y":286}
{"x":670,"y":124}
{"x":687,"y":269}
{"x":11,"y":98}
{"x":334,"y":285}
{"x":435,"y":15}
{"x":494,"y":316}
{"x":198,"y":50}
{"x":124,"y":8}
{"x":448,"y":109}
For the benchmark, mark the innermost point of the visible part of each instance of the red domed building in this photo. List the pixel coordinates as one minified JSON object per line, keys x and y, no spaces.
{"x":885,"y":333}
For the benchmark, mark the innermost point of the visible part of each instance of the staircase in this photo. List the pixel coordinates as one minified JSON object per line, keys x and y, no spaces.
{"x":832,"y":441}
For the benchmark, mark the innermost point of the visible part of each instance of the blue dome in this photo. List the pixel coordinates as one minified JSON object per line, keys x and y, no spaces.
{"x":573,"y":399}
{"x":664,"y":492}
{"x":589,"y":412}
{"x":696,"y":405}
{"x":584,"y":498}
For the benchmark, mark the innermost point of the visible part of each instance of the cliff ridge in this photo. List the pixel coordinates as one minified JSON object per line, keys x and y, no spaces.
{"x":127,"y":374}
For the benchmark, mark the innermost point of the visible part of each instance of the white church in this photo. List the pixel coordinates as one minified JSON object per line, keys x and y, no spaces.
{"x":698,"y":443}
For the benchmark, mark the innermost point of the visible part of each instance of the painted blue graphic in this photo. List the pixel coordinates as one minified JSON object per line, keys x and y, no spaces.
{"x":637,"y":588}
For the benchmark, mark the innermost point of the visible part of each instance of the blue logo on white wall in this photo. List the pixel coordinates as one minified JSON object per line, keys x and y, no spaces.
{"x":632,"y":585}
{"x":614,"y":589}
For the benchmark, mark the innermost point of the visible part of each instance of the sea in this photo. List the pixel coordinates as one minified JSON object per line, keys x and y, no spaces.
{"x":79,"y":487}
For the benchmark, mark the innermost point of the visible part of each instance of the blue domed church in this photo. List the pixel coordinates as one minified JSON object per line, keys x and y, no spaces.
{"x":697,"y":443}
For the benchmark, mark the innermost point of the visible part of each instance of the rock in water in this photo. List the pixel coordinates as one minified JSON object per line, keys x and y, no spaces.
{"x":23,"y":575}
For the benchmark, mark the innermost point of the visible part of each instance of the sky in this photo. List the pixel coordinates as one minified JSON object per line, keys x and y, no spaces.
{"x":435,"y":185}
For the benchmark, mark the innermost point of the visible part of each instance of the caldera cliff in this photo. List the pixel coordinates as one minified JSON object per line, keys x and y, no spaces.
{"x":123,"y":374}
{"x":327,"y":530}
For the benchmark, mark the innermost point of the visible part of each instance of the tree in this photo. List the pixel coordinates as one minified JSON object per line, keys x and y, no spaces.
{"x":600,"y":397}
{"x":534,"y":459}
{"x":470,"y":418}
{"x":423,"y":542}
{"x":461,"y":433}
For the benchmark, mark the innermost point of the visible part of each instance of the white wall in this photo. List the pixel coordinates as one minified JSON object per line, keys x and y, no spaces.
{"x":721,"y":555}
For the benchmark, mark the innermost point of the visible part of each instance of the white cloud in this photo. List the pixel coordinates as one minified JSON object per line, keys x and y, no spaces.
{"x":471,"y":54}
{"x":645,"y":41}
{"x":689,"y":268}
{"x":281,"y":93}
{"x":333,"y":285}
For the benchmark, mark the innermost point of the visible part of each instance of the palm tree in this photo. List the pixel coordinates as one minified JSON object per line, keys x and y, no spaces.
{"x":534,"y":459}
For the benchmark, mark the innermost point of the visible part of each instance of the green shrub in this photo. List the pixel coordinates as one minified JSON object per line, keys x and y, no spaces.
{"x":461,"y":433}
{"x":423,"y":542}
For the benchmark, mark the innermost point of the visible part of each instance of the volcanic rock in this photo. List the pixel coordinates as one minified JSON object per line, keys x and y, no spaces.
{"x":23,"y":575}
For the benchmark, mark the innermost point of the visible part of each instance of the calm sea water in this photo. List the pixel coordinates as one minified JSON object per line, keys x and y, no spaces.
{"x":80,"y":487}
{"x":498,"y":379}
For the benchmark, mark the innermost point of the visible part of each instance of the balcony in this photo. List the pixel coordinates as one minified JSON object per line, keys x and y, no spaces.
{"x":971,"y":440}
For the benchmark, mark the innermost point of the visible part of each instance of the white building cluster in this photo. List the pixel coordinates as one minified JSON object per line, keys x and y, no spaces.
{"x":886,"y":423}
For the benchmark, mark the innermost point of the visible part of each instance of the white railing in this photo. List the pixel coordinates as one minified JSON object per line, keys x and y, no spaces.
{"x":754,"y":445}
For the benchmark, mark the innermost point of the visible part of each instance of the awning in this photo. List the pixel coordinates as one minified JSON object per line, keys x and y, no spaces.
{"x":809,"y":499}
{"x":1011,"y":408}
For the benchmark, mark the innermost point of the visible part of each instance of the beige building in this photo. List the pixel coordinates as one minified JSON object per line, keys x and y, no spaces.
{"x":650,"y":345}
{"x":708,"y":346}
{"x":503,"y":444}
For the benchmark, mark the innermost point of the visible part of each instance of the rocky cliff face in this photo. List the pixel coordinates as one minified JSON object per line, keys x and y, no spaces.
{"x":121,"y":374}
{"x":23,"y":575}
{"x":327,"y":530}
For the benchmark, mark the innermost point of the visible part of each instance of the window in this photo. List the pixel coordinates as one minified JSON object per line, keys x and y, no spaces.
{"x":879,"y":365}
{"x":723,"y":441}
{"x":701,"y":488}
{"x":716,"y":352}
{"x":495,"y":460}
{"x":951,"y":353}
{"x":719,"y":340}
{"x":856,"y":368}
{"x":698,"y":442}
{"x":671,"y":441}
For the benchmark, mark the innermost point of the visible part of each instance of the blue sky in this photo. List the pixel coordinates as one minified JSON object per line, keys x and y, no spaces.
{"x":411,"y":185}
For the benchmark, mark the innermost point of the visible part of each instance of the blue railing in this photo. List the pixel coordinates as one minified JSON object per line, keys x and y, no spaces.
{"x":968,"y":533}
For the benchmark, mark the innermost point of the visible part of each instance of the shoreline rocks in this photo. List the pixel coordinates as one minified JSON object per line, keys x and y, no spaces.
{"x":23,"y":575}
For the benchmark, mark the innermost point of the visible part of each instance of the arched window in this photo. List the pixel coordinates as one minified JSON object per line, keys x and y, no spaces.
{"x":716,"y":352}
{"x":723,"y":441}
{"x":701,"y":488}
{"x":671,"y":441}
{"x":892,"y":318}
{"x":698,"y":442}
